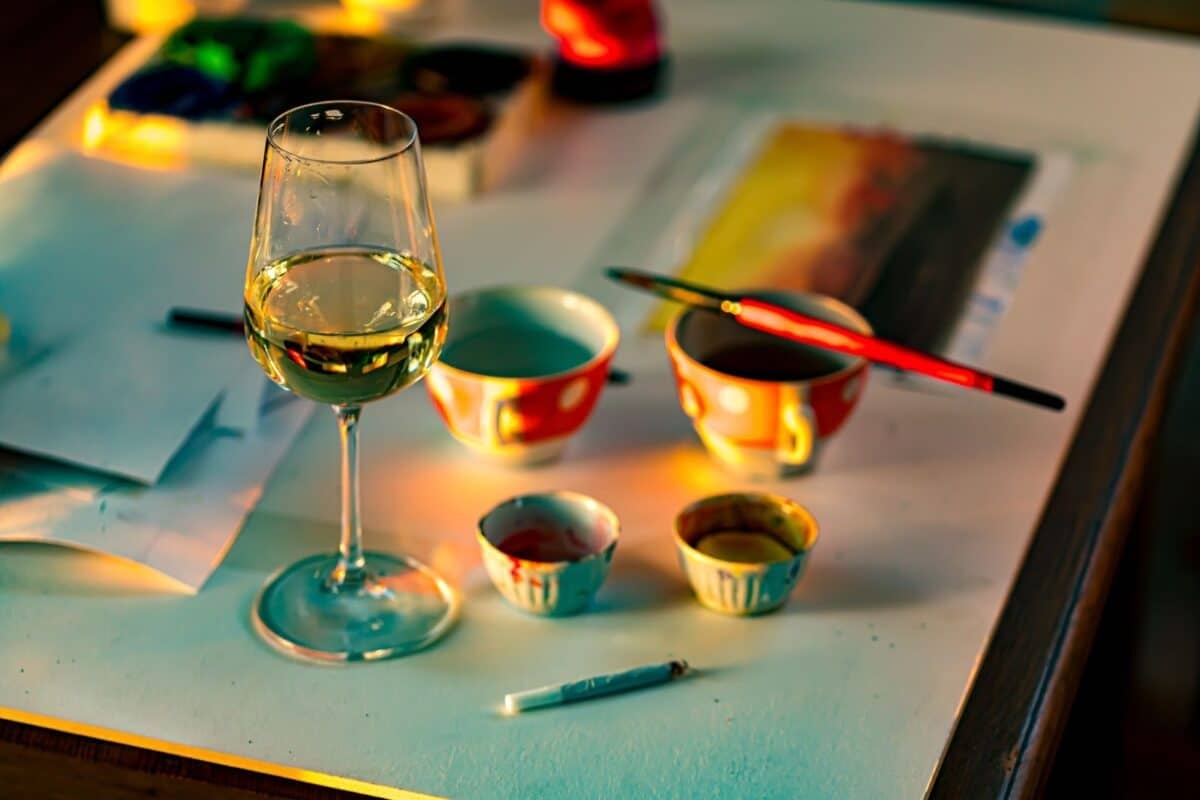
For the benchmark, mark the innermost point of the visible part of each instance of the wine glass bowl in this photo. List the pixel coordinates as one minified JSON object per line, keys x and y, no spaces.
{"x":345,"y":303}
{"x":346,"y":325}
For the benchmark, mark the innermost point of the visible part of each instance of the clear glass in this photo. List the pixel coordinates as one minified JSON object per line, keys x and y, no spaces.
{"x":345,"y":304}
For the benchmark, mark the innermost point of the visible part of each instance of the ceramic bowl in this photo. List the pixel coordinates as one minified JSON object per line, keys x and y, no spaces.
{"x":521,"y":370}
{"x":743,"y":553}
{"x":549,"y":553}
{"x":763,"y":406}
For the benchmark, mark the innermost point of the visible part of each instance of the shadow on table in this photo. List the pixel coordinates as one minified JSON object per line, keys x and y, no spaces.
{"x":638,"y":585}
{"x":926,"y":428}
{"x":852,"y":587}
{"x":891,"y":577}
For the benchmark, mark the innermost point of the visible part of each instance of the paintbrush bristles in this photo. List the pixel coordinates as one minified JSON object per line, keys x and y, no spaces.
{"x":670,"y":288}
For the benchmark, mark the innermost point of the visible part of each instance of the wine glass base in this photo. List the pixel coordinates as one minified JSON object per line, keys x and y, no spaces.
{"x":400,"y":606}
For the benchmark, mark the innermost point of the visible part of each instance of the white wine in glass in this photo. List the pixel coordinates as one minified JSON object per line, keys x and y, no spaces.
{"x":345,"y":304}
{"x":332,"y":325}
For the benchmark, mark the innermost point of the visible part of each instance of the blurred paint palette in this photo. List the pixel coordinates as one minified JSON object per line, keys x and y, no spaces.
{"x":210,"y":90}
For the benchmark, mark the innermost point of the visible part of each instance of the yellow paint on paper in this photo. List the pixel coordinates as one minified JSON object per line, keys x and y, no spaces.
{"x":789,"y":207}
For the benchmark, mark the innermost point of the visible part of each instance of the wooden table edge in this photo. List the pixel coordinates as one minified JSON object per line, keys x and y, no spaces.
{"x":43,"y":757}
{"x":1019,"y":702}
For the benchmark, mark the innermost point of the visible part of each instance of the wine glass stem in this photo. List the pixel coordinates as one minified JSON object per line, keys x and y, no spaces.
{"x":350,"y":570}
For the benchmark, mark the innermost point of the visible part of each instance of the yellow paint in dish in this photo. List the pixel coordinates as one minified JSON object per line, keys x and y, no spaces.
{"x":743,"y":547}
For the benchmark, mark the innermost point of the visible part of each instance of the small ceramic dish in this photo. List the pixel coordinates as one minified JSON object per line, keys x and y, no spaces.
{"x":743,"y":553}
{"x":548,"y":553}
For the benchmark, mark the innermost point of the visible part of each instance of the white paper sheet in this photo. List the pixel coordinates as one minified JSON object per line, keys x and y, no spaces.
{"x":92,"y":256}
{"x":123,"y":401}
{"x":180,"y":527}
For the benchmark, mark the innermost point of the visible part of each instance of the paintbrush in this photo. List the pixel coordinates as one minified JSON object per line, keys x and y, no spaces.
{"x":787,"y":324}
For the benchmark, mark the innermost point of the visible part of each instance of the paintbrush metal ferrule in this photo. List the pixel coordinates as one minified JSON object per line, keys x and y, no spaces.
{"x":670,"y":288}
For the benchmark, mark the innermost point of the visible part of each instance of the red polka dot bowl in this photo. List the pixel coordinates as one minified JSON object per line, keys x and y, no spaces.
{"x":521,"y":369}
{"x":764,"y":406}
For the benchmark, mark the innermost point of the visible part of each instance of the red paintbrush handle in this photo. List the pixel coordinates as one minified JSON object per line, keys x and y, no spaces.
{"x":807,"y":330}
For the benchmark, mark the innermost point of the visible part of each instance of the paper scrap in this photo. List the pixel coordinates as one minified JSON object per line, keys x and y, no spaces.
{"x":181,"y":527}
{"x":122,"y":401}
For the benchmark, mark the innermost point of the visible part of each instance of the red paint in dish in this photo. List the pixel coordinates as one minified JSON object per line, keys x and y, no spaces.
{"x":545,"y":545}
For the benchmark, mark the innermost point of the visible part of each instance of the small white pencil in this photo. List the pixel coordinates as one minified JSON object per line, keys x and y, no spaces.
{"x":598,"y":686}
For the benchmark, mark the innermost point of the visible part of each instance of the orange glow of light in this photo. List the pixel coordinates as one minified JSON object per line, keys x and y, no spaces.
{"x":150,"y":16}
{"x":509,"y":424}
{"x":591,"y":50}
{"x":27,"y":157}
{"x":93,"y":572}
{"x":799,"y":449}
{"x":690,"y":401}
{"x":561,"y":19}
{"x":380,"y":5}
{"x":150,"y":142}
{"x":94,"y":125}
{"x":157,"y":133}
{"x":453,"y":560}
{"x":723,"y":449}
{"x":352,"y":18}
{"x":581,"y":38}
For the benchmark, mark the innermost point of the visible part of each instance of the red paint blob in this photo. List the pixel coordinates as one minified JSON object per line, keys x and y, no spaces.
{"x":545,"y":544}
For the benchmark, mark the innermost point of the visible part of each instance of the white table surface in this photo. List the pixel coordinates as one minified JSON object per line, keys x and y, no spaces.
{"x":926,"y":503}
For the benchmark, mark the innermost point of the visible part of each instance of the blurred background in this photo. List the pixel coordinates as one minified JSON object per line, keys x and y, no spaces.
{"x":1135,"y":725}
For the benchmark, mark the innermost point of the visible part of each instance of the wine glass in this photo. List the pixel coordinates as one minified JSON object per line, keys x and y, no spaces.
{"x":345,"y":304}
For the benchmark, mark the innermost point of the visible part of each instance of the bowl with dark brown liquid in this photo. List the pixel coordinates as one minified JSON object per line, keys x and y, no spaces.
{"x":764,"y":406}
